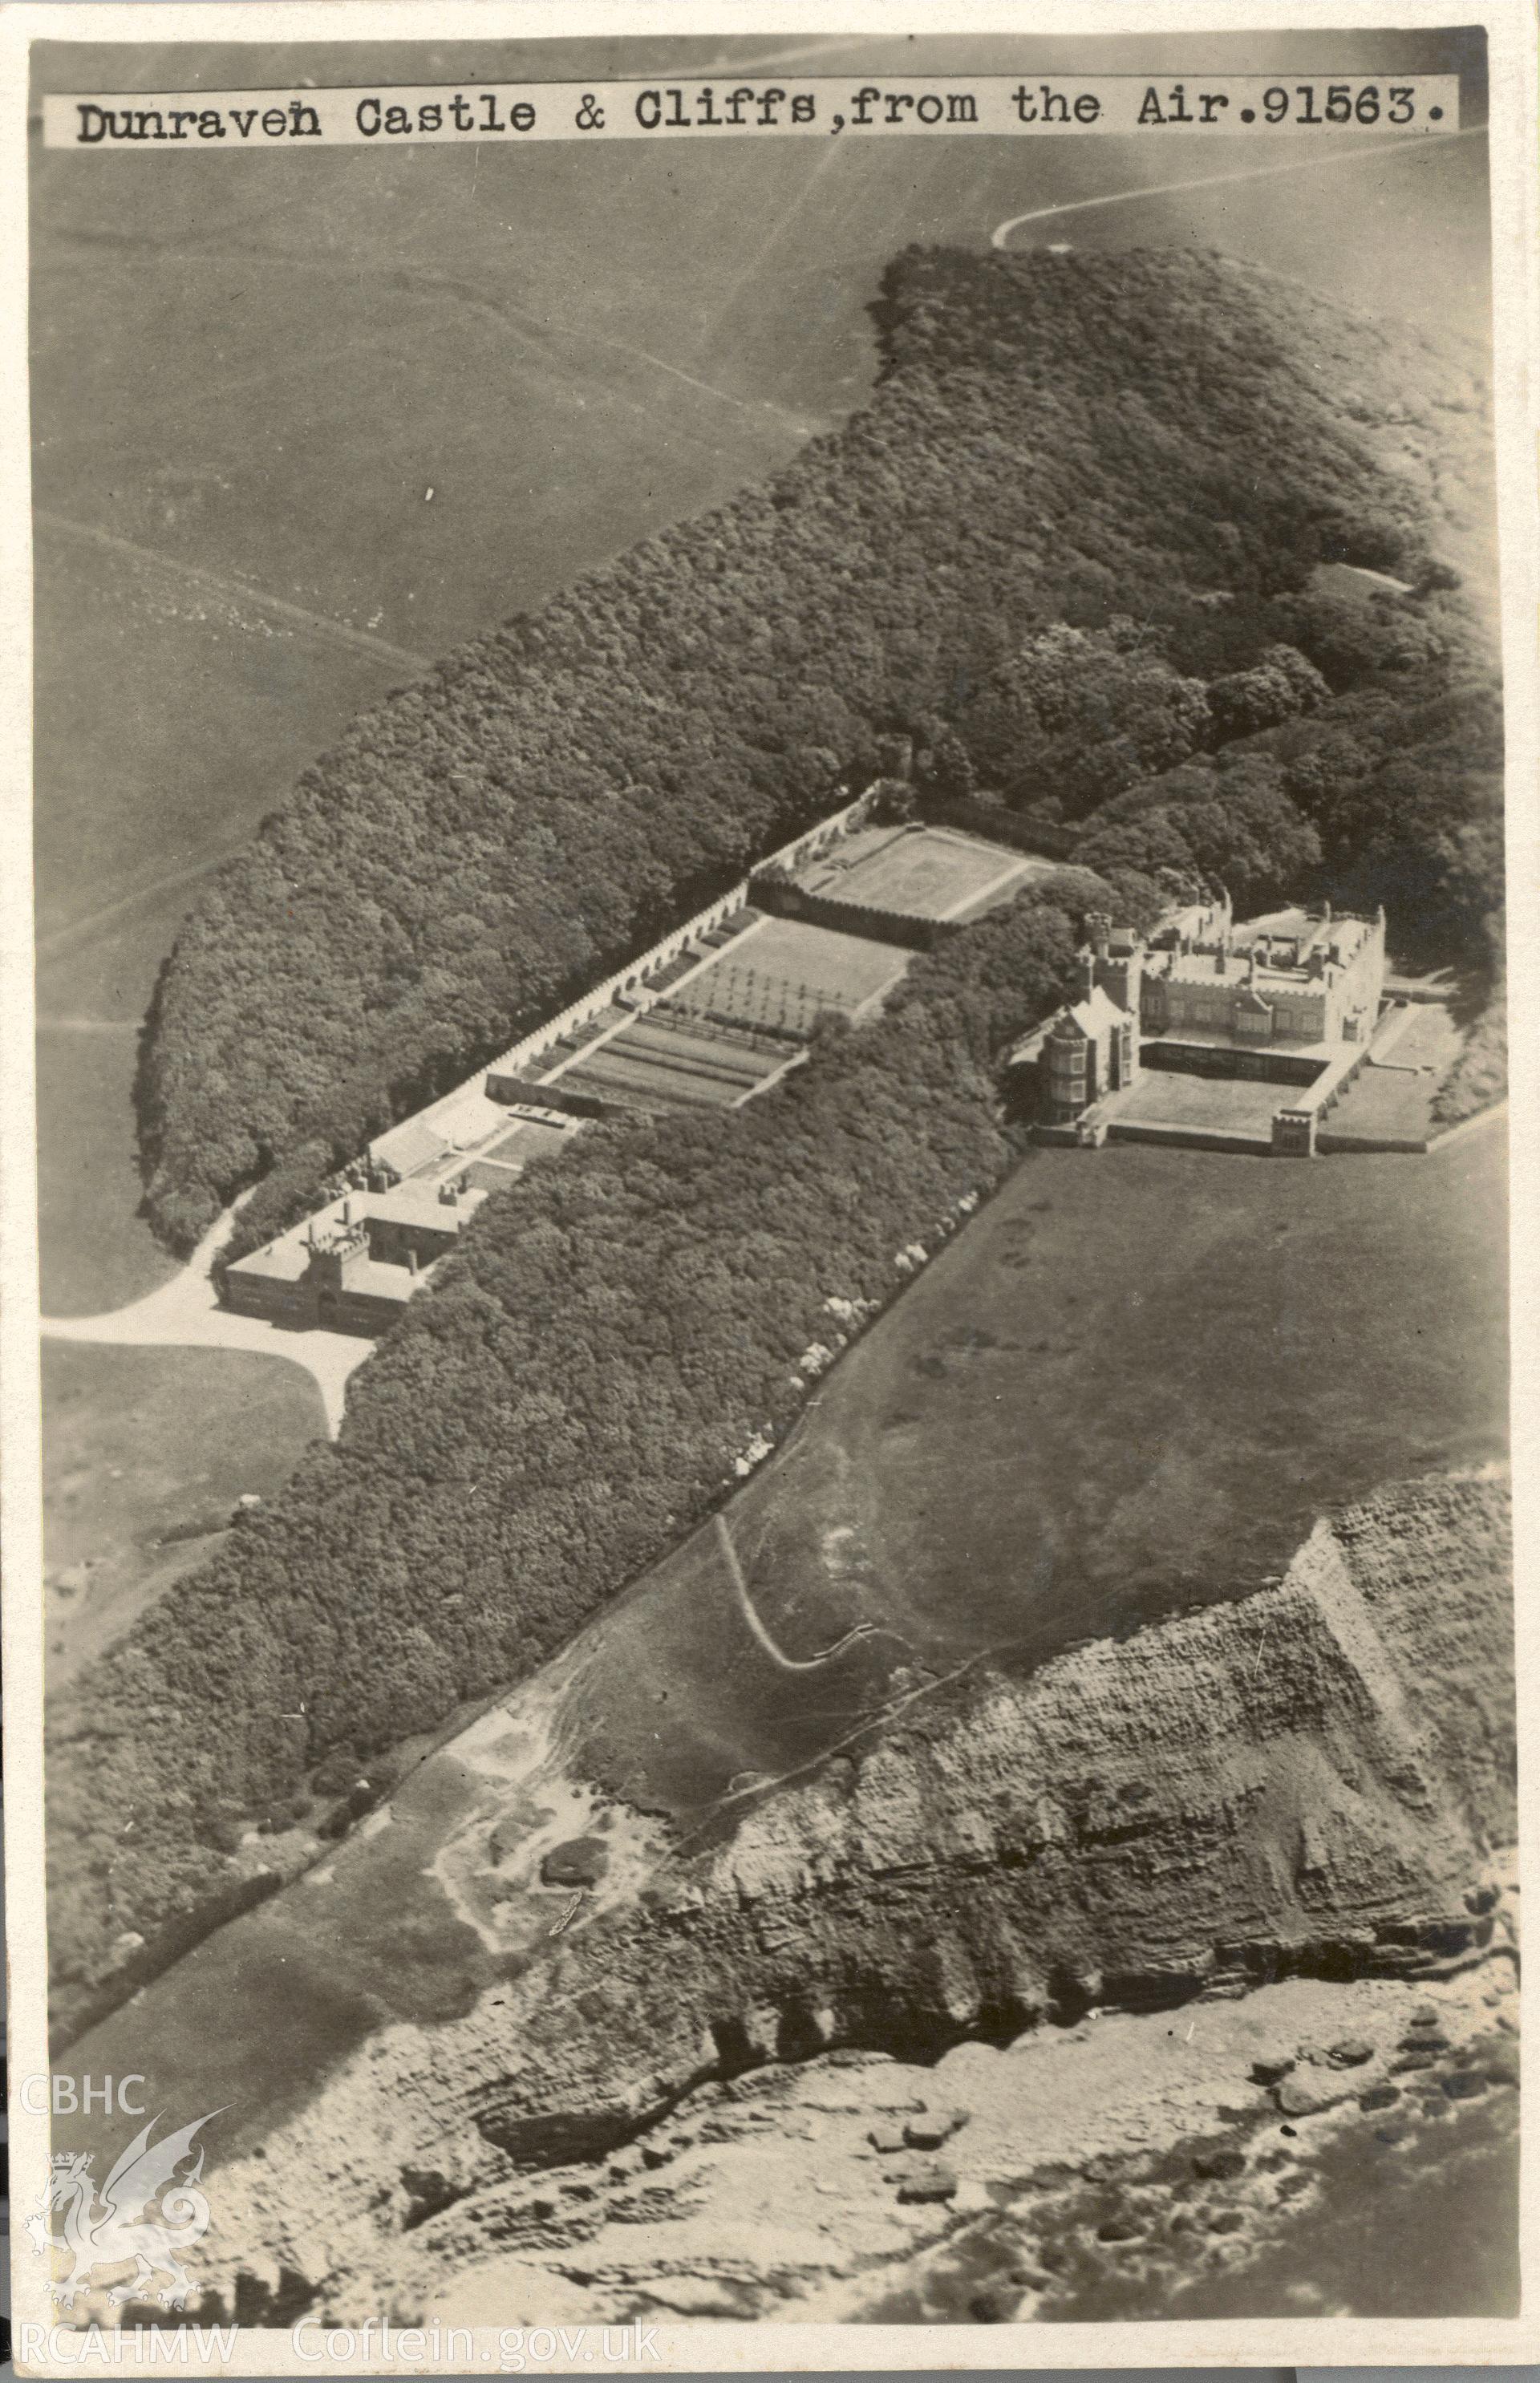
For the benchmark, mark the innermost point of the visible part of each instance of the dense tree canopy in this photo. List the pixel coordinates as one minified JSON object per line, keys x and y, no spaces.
{"x":1060,"y":449}
{"x":1388,"y":794}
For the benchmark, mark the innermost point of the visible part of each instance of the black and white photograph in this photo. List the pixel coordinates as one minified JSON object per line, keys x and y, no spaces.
{"x":767,"y":1574}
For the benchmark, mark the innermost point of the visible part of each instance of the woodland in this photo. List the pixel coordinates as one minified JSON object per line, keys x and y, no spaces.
{"x":1072,"y":551}
{"x":1143,"y":544}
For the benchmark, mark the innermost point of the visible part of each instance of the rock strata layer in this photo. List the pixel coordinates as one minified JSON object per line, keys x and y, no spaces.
{"x":1306,"y":1783}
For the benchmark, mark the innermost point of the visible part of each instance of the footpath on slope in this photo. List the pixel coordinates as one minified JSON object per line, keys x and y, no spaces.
{"x":1162,"y":1820}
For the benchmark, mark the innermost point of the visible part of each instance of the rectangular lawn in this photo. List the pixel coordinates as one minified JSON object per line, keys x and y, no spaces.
{"x":934,"y":874}
{"x":785,"y":951}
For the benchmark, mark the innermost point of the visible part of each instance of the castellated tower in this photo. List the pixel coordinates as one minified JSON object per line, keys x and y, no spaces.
{"x":1116,"y":964}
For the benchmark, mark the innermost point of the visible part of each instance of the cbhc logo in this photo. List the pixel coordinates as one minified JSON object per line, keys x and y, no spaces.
{"x":64,"y":2097}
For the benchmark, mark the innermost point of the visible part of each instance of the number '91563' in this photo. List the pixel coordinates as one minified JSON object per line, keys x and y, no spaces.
{"x":1339,"y":102}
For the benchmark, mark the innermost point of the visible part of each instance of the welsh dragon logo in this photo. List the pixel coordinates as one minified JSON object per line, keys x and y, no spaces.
{"x":144,"y":2216}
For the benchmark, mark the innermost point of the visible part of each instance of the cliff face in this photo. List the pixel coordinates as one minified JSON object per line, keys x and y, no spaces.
{"x":1305,"y":1782}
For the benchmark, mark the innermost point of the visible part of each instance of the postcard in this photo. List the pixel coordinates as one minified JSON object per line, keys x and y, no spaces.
{"x":765,"y":1356}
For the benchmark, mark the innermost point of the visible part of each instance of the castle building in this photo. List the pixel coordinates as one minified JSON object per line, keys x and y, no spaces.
{"x":1274,"y":1000}
{"x":1092,"y":1047}
{"x":1297,"y":978}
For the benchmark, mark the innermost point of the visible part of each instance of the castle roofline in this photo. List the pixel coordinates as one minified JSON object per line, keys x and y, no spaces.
{"x":1096,"y":1012}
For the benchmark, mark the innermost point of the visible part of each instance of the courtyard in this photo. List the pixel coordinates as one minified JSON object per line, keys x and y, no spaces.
{"x":1199,"y":1103}
{"x":1391,"y":1099}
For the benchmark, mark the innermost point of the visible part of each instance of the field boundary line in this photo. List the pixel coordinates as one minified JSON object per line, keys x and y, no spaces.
{"x":317,"y":623}
{"x":60,"y":940}
{"x":1245,"y":174}
{"x":1466,"y":1124}
{"x":89,"y":1025}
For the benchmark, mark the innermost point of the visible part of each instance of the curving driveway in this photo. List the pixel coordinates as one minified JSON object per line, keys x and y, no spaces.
{"x":185,"y":1314}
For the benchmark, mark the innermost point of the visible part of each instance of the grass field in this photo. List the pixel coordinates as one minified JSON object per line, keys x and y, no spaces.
{"x":786,"y":952}
{"x":336,"y":1958}
{"x":1006,"y":888}
{"x":928,"y":875}
{"x":140,"y":1442}
{"x":198,"y":711}
{"x":94,"y":1250}
{"x":1130,"y":1387}
{"x":166,"y":723}
{"x":1385,"y":1101}
{"x":1233,"y":1104}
